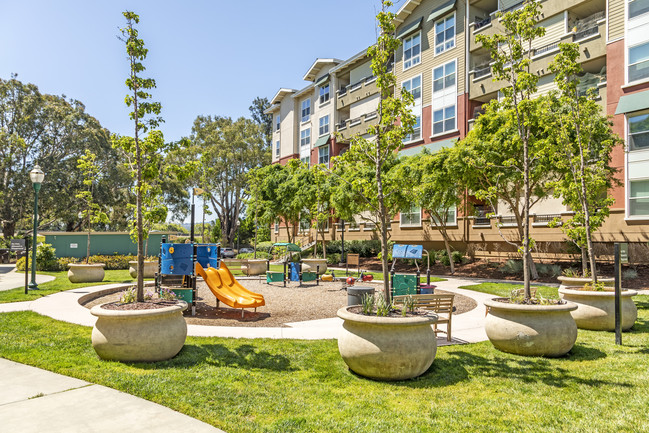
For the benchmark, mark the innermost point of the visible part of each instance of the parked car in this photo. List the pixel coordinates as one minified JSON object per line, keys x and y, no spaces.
{"x":227,"y":253}
{"x":246,"y":251}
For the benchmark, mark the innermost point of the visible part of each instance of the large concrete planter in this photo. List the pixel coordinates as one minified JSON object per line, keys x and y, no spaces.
{"x":582,"y":281}
{"x":312,"y":264}
{"x":531,"y":330}
{"x":139,"y":335}
{"x":150,"y":268}
{"x":387,"y":348}
{"x":596,"y":309}
{"x":253,"y":266}
{"x":82,"y":273}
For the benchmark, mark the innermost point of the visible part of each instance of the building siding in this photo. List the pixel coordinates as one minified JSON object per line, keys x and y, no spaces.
{"x":616,"y":19}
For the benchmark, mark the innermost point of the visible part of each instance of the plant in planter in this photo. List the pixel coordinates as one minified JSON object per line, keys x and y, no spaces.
{"x":140,"y":331}
{"x":384,"y":343}
{"x":92,"y":214}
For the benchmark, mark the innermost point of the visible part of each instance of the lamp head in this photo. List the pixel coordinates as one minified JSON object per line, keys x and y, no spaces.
{"x":37,"y":175}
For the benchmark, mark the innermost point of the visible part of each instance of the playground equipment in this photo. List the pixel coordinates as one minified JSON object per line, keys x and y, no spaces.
{"x":408,"y":284}
{"x":227,"y":289}
{"x":292,"y":270}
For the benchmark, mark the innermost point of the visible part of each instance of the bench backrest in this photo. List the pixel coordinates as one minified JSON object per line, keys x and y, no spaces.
{"x":438,"y":303}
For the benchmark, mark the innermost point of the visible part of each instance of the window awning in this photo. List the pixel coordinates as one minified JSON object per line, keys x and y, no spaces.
{"x":322,"y":80}
{"x":432,"y":147}
{"x":441,"y":10}
{"x":322,"y":140}
{"x":412,"y":27}
{"x":633,"y":102}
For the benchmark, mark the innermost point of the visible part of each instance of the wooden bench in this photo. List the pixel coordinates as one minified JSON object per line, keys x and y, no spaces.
{"x":442,"y":305}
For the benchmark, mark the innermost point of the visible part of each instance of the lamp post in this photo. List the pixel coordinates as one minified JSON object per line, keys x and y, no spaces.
{"x":36,"y":176}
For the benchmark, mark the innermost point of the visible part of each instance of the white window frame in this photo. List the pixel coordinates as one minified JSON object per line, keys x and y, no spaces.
{"x":440,"y":100}
{"x":630,"y":199}
{"x":305,"y":137}
{"x":445,"y":118}
{"x":326,"y":95}
{"x":321,"y":157}
{"x":445,"y":42}
{"x":306,"y":110}
{"x":323,"y":127}
{"x":306,"y":160}
{"x":276,"y":228}
{"x":450,"y":222}
{"x":411,"y":211}
{"x":416,"y":109}
{"x":628,"y":130}
{"x":412,"y":60}
{"x":278,"y":122}
{"x":629,"y":17}
{"x":277,"y":149}
{"x":628,"y":66}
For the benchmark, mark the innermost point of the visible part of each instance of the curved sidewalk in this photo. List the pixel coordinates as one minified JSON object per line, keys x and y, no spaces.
{"x":11,"y":279}
{"x":467,"y":327}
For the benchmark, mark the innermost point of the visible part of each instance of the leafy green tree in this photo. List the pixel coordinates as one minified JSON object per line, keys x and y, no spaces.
{"x":508,"y":130}
{"x":142,"y":154}
{"x":583,"y":153}
{"x":265,"y":121}
{"x":92,"y":211}
{"x":395,"y":121}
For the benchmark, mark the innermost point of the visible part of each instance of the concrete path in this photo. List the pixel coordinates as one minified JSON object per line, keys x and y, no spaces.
{"x":10,"y":279}
{"x":35,"y":400}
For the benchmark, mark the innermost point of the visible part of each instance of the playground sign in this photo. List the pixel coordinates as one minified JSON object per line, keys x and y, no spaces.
{"x":401,"y":251}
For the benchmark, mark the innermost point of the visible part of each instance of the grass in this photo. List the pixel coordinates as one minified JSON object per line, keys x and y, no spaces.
{"x":504,"y":289}
{"x":245,"y":386}
{"x":61,"y":283}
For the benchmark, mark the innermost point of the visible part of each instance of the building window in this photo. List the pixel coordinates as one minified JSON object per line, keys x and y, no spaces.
{"x":445,"y":34}
{"x":444,"y":120}
{"x":444,"y":98}
{"x":412,"y":51}
{"x":411,"y":217}
{"x":277,"y":149}
{"x":305,"y":223}
{"x":414,"y":87}
{"x":639,"y":198}
{"x":323,"y":155}
{"x":451,"y":217}
{"x":444,"y":77}
{"x":276,"y":227}
{"x":324,"y":93}
{"x":306,"y":110}
{"x":277,"y":122}
{"x":638,"y":7}
{"x":639,"y":62}
{"x":305,"y":137}
{"x":324,"y":125}
{"x":638,"y":132}
{"x":306,"y":160}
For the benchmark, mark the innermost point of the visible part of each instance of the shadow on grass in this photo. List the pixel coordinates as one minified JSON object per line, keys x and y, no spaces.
{"x":218,"y":355}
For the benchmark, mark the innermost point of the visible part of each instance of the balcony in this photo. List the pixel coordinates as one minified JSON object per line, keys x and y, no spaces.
{"x":356,"y":91}
{"x":350,"y":127}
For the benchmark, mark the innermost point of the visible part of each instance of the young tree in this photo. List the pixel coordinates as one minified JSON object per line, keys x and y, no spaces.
{"x":92,"y":211}
{"x":145,"y":116}
{"x":395,"y":121}
{"x":514,"y":123}
{"x":584,"y":142}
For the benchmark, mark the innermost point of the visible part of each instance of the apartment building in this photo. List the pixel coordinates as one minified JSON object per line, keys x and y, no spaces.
{"x":449,"y":74}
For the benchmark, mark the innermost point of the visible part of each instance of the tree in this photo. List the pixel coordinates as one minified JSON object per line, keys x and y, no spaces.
{"x":395,"y":121}
{"x":514,"y":123}
{"x":436,"y":187}
{"x":265,"y":121}
{"x":225,"y":151}
{"x":91,"y":212}
{"x":583,"y":153}
{"x":141,"y":154}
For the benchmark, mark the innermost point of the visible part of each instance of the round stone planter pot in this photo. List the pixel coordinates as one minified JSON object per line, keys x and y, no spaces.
{"x":387,"y":348}
{"x":253,"y":266}
{"x":582,"y":281}
{"x":531,"y":330}
{"x":596,"y":309}
{"x":150,"y":268}
{"x":312,"y":264}
{"x":82,"y":273}
{"x":139,"y":335}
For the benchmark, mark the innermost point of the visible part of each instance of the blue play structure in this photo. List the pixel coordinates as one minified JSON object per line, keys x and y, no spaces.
{"x":409,"y":284}
{"x":177,"y":267}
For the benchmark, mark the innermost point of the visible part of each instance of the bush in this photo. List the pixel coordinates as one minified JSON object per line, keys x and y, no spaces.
{"x":264,"y":246}
{"x":548,"y":270}
{"x":333,"y":259}
{"x":457,"y":256}
{"x":630,"y":274}
{"x":45,"y":259}
{"x":260,"y":255}
{"x":366,"y":248}
{"x":512,"y":267}
{"x":442,"y":257}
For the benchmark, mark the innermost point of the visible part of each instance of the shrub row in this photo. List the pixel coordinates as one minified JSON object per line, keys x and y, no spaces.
{"x":260,"y":255}
{"x":46,"y":260}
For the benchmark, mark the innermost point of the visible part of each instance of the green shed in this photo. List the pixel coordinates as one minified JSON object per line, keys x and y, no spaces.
{"x":73,"y":244}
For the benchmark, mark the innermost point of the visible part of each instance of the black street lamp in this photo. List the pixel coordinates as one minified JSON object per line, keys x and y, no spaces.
{"x":37,"y":176}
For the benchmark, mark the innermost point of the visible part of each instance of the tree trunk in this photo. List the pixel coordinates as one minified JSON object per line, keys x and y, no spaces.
{"x":448,"y":251}
{"x":8,"y":229}
{"x":584,"y":262}
{"x":526,"y":221}
{"x":88,"y":243}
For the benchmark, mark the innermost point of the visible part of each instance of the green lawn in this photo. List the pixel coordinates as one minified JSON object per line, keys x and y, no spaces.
{"x":61,"y":283}
{"x":303,"y":386}
{"x":504,"y":289}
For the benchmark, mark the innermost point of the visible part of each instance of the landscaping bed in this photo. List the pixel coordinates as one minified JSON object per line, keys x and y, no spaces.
{"x":283,"y":304}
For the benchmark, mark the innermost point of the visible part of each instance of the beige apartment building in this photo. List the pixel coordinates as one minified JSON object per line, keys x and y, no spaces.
{"x":448,"y":72}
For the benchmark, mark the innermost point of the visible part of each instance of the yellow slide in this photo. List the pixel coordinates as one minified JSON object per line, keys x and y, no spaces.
{"x":227,"y":289}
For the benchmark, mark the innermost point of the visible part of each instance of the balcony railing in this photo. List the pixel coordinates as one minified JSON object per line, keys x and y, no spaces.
{"x":546,"y":218}
{"x":481,"y":23}
{"x":481,"y":71}
{"x":545,"y":49}
{"x":583,"y":34}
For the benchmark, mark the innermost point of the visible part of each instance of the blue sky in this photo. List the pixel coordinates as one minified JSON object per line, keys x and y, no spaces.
{"x":207,"y":57}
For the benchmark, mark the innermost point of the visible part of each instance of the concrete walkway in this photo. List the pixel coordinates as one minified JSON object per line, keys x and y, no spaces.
{"x":34,"y":401}
{"x":10,"y":279}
